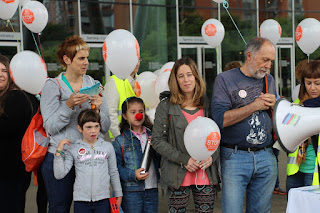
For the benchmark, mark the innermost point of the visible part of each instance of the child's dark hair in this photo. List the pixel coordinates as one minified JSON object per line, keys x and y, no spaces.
{"x":88,"y":115}
{"x":124,"y":123}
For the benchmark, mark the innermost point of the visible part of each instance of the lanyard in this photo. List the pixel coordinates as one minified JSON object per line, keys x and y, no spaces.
{"x":67,"y":83}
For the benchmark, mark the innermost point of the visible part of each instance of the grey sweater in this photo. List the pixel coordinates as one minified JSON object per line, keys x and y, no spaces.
{"x":58,"y":119}
{"x":95,"y":169}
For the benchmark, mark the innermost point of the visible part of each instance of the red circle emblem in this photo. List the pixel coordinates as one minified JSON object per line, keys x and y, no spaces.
{"x":298,"y":33}
{"x":27,"y":16}
{"x":210,"y":30}
{"x":82,"y":151}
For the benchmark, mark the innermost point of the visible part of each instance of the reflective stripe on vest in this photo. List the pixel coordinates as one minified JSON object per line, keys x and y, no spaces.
{"x":315,"y":180}
{"x":125,"y":91}
{"x":292,"y":166}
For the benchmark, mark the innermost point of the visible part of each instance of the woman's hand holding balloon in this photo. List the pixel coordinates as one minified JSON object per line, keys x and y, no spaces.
{"x":192,"y":165}
{"x":206,"y":163}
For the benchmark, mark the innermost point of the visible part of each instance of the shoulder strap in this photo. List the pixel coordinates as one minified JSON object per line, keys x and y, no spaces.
{"x":59,"y":88}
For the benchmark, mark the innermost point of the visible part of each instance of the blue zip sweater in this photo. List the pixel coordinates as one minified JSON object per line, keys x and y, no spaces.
{"x":127,"y":168}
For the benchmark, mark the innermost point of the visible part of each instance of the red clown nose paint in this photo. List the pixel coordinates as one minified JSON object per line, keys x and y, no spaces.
{"x":139,"y":116}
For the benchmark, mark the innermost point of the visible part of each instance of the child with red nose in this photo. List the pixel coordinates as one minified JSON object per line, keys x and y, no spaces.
{"x":95,"y":165}
{"x":139,"y":182}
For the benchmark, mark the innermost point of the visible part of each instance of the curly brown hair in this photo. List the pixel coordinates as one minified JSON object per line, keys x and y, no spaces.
{"x":70,"y":47}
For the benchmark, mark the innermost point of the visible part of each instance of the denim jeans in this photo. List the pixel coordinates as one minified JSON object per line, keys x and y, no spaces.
{"x":299,"y":179}
{"x":59,"y":191}
{"x":251,"y":172}
{"x":101,"y":206}
{"x":140,"y":201}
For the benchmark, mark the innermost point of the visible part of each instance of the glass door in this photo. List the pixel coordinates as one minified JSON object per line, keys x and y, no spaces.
{"x":206,"y":60}
{"x":285,"y":74}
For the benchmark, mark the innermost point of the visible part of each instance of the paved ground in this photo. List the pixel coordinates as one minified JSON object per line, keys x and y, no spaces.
{"x":279,"y":202}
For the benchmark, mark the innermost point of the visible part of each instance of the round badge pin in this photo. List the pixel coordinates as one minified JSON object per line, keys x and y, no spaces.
{"x":242,"y":93}
{"x":82,"y":151}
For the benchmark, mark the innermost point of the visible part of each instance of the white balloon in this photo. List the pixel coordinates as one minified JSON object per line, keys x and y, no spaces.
{"x":28,"y":71}
{"x":144,"y":87}
{"x":167,"y":67}
{"x":34,"y":16}
{"x":295,"y":92}
{"x":157,"y":72}
{"x":271,"y":30}
{"x":308,"y":35}
{"x":201,"y":138}
{"x":8,"y":8}
{"x":219,"y":1}
{"x":121,"y":52}
{"x":212,"y":32}
{"x":162,"y":83}
{"x":151,"y":114}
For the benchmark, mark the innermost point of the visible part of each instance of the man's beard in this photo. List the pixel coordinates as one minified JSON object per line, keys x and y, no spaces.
{"x":257,"y":74}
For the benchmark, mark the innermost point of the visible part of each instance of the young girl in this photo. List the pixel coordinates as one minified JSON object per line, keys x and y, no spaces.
{"x":140,"y":187}
{"x":95,"y":166}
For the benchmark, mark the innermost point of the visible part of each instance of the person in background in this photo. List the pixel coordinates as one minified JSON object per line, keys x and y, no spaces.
{"x":232,"y":64}
{"x":16,"y":111}
{"x":184,"y":103}
{"x":116,"y":91}
{"x":60,"y":106}
{"x":95,"y":166}
{"x":240,"y":105}
{"x":140,"y":187}
{"x":303,"y":164}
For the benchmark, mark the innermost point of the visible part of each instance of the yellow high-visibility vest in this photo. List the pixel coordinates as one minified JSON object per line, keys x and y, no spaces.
{"x":125,"y":91}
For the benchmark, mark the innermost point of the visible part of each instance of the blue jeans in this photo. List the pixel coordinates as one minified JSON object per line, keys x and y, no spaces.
{"x":299,"y":179}
{"x":100,"y":206}
{"x":140,"y":201}
{"x":59,"y":191}
{"x":251,"y":172}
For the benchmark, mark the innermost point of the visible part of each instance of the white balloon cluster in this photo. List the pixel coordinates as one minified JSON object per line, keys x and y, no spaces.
{"x":148,"y":86}
{"x":34,"y":14}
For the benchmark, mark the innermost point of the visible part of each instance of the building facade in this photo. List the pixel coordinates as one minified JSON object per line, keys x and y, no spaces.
{"x":166,"y":30}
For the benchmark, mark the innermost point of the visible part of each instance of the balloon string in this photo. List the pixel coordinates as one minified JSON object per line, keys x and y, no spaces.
{"x":9,"y":22}
{"x":226,"y":5}
{"x":40,"y":46}
{"x":218,"y":57}
{"x":203,"y":178}
{"x":308,"y":57}
{"x":34,"y":39}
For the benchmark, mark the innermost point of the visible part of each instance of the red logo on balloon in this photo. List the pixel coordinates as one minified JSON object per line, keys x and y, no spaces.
{"x":11,"y":75}
{"x":137,"y":89}
{"x":213,"y":141}
{"x":138,"y":49}
{"x":27,"y":16}
{"x":298,"y":33}
{"x":210,"y":30}
{"x":8,"y":1}
{"x":280,"y":29}
{"x":167,"y":70}
{"x":104,"y":51}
